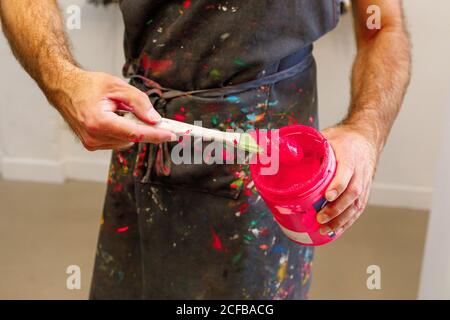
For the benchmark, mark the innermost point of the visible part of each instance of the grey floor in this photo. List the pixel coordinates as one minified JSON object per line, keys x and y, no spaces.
{"x":45,"y":228}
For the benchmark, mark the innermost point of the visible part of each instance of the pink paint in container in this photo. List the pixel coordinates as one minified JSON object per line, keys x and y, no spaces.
{"x":296,"y":192}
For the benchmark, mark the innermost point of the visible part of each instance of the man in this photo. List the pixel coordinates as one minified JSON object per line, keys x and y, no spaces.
{"x":199,"y":231}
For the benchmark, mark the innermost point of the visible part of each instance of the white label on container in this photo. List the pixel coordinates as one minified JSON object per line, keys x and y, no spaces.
{"x":301,"y":237}
{"x":283,"y":210}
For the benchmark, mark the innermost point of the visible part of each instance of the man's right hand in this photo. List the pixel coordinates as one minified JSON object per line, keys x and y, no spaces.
{"x":88,"y":101}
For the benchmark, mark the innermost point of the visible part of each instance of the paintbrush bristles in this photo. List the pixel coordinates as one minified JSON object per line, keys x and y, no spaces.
{"x":247,"y":143}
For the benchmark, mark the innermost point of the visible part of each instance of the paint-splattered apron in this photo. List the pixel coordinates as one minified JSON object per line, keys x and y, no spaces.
{"x":201,"y":231}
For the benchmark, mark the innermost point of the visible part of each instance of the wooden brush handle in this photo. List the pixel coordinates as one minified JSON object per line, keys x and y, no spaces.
{"x":181,"y":128}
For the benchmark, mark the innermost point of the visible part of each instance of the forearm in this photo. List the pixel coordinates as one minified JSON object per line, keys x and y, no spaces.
{"x":35,"y":32}
{"x":86,"y":100}
{"x":380,"y":76}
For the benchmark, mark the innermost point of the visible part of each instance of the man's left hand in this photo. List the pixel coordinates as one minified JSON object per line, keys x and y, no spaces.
{"x":348,"y":192}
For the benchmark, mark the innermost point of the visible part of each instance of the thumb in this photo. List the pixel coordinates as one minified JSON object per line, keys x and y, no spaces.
{"x":138,"y":102}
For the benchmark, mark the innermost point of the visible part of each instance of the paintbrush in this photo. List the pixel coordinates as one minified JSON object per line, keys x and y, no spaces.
{"x":243,"y":141}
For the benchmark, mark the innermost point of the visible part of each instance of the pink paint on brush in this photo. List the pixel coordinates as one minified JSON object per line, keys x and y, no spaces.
{"x":297,"y":191}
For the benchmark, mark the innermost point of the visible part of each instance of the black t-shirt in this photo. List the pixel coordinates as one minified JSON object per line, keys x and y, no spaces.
{"x":197,"y":44}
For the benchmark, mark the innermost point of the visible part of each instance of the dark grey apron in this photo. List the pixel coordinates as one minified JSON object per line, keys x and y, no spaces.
{"x":198,"y":231}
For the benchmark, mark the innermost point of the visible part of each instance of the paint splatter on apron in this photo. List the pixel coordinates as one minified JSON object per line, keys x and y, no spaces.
{"x":201,"y":231}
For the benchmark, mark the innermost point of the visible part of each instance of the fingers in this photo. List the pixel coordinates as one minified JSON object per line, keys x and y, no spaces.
{"x":347,"y":198}
{"x":348,"y":192}
{"x":93,"y":144}
{"x":138,"y":101}
{"x":343,"y":220}
{"x":344,"y":173}
{"x":348,"y":223}
{"x":338,"y":190}
{"x":111,"y":131}
{"x":346,"y":216}
{"x":127,"y":130}
{"x":359,"y":208}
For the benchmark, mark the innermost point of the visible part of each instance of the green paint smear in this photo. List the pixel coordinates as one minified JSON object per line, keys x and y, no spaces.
{"x":239,"y":62}
{"x":248,"y":237}
{"x":237,"y":182}
{"x":215,"y":120}
{"x":214,"y":73}
{"x":237,"y":257}
{"x":253,"y":223}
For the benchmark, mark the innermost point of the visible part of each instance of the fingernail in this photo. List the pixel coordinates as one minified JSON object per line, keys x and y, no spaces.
{"x":331,"y":195}
{"x":324,"y":230}
{"x":153,"y":115}
{"x":322,"y":218}
{"x":327,"y":231}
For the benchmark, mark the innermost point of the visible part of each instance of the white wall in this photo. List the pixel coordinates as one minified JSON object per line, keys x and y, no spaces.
{"x":34,"y":143}
{"x":435,"y":277}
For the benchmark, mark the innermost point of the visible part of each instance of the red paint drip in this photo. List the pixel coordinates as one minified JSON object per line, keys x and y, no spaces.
{"x":140,"y":161}
{"x":122,"y":159}
{"x":292,"y":120}
{"x":118,"y":187}
{"x":123,"y":229}
{"x":243,"y":207}
{"x":263,"y":232}
{"x":155,"y":66}
{"x":264,"y":247}
{"x":186,"y":4}
{"x":179,"y":117}
{"x":217,"y":243}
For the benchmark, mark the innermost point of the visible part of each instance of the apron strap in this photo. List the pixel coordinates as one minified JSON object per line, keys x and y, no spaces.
{"x":287,"y":68}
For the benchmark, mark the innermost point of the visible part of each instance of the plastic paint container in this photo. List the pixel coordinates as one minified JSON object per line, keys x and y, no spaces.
{"x":296,"y":192}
